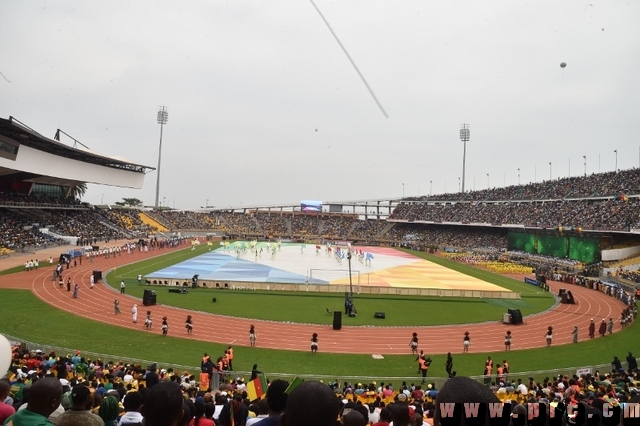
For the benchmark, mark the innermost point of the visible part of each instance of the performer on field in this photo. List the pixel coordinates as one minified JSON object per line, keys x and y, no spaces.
{"x":466,"y":342}
{"x":252,"y":335}
{"x":507,"y":341}
{"x":148,"y":322}
{"x":189,"y":325}
{"x":165,"y":326}
{"x":549,"y":336}
{"x":413,"y":344}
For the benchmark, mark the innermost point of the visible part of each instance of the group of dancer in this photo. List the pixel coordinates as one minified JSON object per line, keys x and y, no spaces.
{"x":466,"y":340}
{"x":340,"y":253}
{"x":253,"y":337}
{"x":148,"y":322}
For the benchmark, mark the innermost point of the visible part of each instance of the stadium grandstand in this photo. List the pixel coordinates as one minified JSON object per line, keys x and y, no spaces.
{"x":588,"y":223}
{"x":567,"y":229}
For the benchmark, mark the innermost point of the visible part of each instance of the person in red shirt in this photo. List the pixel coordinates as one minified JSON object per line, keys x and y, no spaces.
{"x":387,"y":391}
{"x":417,"y":393}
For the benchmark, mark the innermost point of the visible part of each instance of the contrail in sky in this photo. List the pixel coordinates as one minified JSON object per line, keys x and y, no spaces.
{"x":351,"y":60}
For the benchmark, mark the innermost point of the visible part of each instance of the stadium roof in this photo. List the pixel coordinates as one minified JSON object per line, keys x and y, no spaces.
{"x":18,"y":131}
{"x":15,"y":134}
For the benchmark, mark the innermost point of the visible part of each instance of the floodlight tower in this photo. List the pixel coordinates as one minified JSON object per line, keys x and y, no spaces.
{"x":465,"y":135}
{"x":163,"y":116}
{"x":350,"y":281}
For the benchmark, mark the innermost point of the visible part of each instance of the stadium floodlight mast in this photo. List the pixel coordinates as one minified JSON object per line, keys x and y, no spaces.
{"x":518,"y":175}
{"x":350,"y":281}
{"x":430,"y":187}
{"x":616,"y":152}
{"x":163,"y":116}
{"x":585,"y":164}
{"x":550,"y":171}
{"x":465,"y":135}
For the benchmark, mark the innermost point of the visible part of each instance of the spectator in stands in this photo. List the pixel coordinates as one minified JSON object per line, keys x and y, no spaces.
{"x":163,"y":405}
{"x":132,"y":403}
{"x":6,"y":410}
{"x":44,"y":398}
{"x":355,"y":418}
{"x":233,"y":413}
{"x":461,"y":390}
{"x":312,"y":404}
{"x":277,"y":400}
{"x":79,"y":413}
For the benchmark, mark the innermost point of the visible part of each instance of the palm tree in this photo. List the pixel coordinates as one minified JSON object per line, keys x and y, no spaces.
{"x":77,"y":191}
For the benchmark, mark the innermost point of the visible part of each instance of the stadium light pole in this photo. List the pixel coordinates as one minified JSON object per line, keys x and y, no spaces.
{"x":430,"y":187}
{"x":487,"y":180}
{"x":616,"y":152}
{"x":550,"y":171}
{"x":465,"y":135}
{"x":350,"y":281}
{"x":518,"y":175}
{"x":162,"y":118}
{"x":585,"y":164}
{"x":458,"y":183}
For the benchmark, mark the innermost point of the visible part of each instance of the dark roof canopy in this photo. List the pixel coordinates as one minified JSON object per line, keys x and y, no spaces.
{"x":21,"y":133}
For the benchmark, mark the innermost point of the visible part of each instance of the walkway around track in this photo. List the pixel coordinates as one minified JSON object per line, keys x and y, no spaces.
{"x":97,"y":304}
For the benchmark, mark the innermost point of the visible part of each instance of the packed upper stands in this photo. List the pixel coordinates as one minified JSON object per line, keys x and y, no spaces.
{"x":477,"y":220}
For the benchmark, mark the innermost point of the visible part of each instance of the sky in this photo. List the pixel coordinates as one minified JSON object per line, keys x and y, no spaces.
{"x":266,"y":108}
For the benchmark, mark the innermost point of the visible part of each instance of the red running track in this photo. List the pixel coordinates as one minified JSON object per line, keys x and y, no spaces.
{"x":97,"y":304}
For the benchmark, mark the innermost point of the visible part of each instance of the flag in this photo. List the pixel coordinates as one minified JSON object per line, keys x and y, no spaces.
{"x":294,"y":384}
{"x":257,"y":387}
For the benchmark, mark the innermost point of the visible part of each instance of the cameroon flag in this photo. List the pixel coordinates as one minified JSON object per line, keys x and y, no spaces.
{"x":294,"y":384}
{"x":257,"y":387}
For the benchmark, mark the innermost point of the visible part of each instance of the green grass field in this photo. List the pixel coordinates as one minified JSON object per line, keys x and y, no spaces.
{"x":27,"y":317}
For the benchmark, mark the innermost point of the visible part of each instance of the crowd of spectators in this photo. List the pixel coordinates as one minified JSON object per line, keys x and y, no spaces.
{"x":111,"y":393}
{"x":368,"y":230}
{"x":447,"y":236}
{"x":22,"y":200}
{"x":16,"y":232}
{"x":274,"y":223}
{"x":419,"y":223}
{"x":631,"y":275}
{"x":128,"y":220}
{"x":610,"y":184}
{"x":604,"y":215}
{"x":180,"y":219}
